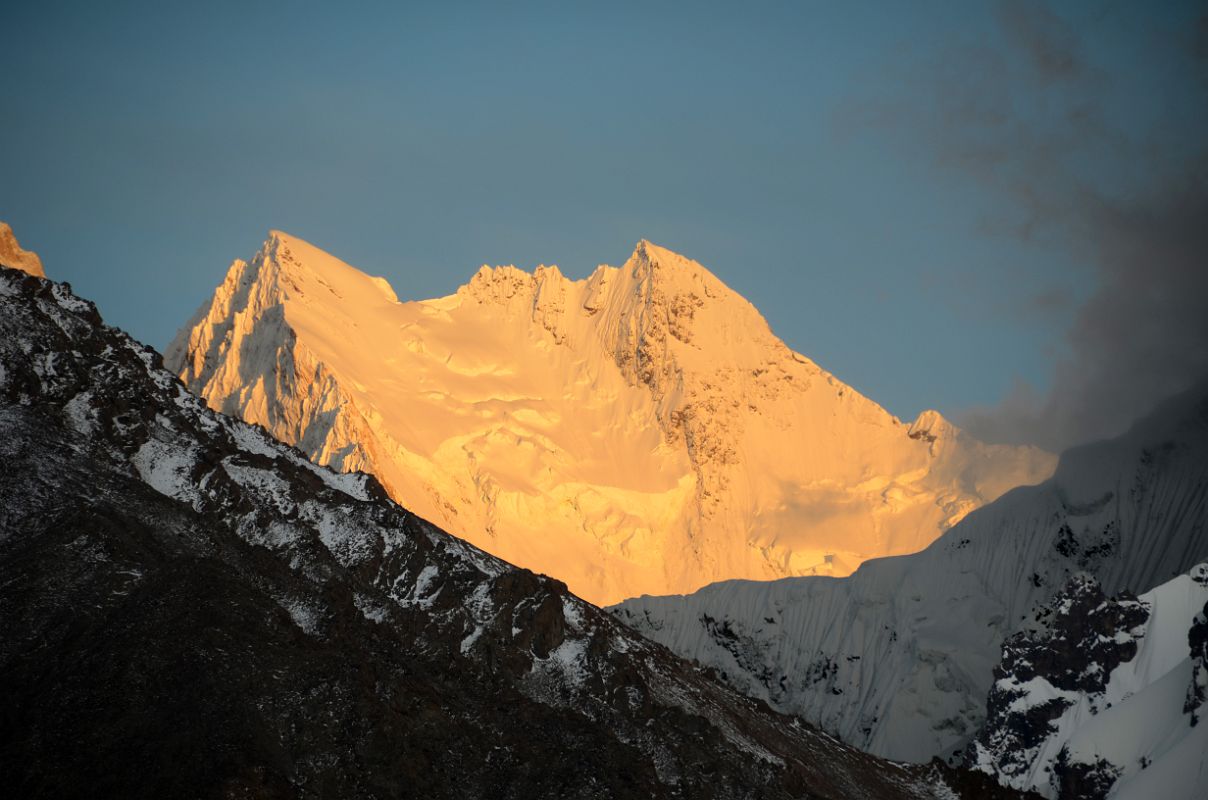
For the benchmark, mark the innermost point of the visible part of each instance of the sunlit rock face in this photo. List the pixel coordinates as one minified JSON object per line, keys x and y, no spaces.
{"x":638,"y":431}
{"x":11,"y":254}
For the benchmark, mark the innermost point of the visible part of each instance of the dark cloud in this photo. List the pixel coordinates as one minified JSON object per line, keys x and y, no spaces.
{"x":1038,"y":121}
{"x":1052,"y":48}
{"x":1141,"y":337}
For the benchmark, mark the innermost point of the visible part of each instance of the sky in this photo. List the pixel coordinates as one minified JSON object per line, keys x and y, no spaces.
{"x":997,"y":209}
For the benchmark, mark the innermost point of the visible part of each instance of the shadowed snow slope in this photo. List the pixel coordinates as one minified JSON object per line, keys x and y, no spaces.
{"x":193,"y":609}
{"x":898,"y":657}
{"x":641,"y":430}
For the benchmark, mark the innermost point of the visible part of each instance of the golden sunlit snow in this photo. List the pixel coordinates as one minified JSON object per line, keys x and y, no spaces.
{"x":638,"y":431}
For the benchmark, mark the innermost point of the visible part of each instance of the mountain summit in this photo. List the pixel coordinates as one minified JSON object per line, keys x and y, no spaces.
{"x":11,"y":254}
{"x":638,"y":431}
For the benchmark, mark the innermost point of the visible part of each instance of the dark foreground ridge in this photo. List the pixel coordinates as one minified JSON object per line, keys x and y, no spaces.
{"x":191,"y":609}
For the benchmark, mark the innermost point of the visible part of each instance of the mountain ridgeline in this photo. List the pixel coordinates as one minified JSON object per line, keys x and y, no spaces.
{"x":192,"y":609}
{"x":201,"y":605}
{"x":638,"y":431}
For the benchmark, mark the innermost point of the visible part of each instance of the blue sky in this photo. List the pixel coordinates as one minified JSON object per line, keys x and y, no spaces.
{"x":877,"y":178}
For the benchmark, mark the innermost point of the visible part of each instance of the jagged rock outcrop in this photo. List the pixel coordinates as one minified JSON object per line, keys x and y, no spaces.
{"x":1197,"y":640}
{"x":192,"y":609}
{"x":898,"y":657}
{"x":11,"y":254}
{"x":639,"y":431}
{"x":1088,"y":701}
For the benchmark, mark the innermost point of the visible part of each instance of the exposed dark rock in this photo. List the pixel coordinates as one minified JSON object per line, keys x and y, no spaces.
{"x":1197,"y":640}
{"x":1081,"y":636}
{"x":1077,"y":780}
{"x":1076,"y":648}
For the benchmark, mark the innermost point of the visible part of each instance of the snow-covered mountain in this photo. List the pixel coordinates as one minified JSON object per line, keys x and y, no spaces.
{"x":898,"y":657}
{"x":639,"y":431}
{"x":192,"y":609}
{"x":1102,"y":697}
{"x":11,"y":254}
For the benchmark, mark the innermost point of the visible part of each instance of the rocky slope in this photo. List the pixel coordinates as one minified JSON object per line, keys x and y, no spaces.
{"x":641,"y":430}
{"x":191,"y":609}
{"x":898,"y":657}
{"x":1100,"y":697}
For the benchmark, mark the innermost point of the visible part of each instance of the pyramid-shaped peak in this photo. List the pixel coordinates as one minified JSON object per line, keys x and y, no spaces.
{"x":308,"y":266}
{"x":674,"y":274}
{"x":288,"y":249}
{"x":11,"y":254}
{"x":647,"y":250}
{"x":668,"y":264}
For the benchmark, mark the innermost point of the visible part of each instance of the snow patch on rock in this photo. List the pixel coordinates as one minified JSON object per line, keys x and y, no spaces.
{"x":1102,"y":710}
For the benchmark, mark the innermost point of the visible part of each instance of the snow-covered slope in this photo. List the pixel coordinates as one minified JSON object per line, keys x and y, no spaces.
{"x":1100,"y":696}
{"x":641,"y":430}
{"x":898,"y":657}
{"x":192,"y":609}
